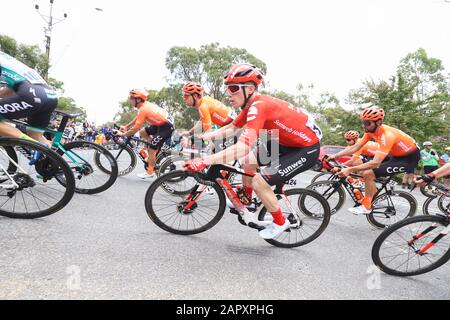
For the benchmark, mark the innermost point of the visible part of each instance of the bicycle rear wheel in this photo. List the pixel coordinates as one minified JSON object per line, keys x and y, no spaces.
{"x":305,"y":227}
{"x":168,"y":210}
{"x":397,"y":252}
{"x":391,"y":208}
{"x":32,"y":191}
{"x":90,"y":179}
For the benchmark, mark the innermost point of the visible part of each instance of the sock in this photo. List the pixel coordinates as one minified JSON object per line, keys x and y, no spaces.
{"x":278,"y":217}
{"x":249,"y":191}
{"x":150,"y":170}
{"x":366,"y":202}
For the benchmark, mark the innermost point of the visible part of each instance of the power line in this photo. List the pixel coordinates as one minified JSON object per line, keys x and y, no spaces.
{"x":50,"y":22}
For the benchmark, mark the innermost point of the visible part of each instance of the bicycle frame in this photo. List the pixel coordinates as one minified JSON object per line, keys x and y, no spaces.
{"x":220,"y":174}
{"x":57,"y":137}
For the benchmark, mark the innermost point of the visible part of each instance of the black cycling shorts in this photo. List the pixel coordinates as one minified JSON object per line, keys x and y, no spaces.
{"x":366,"y":159}
{"x":35,"y":102}
{"x":394,"y":165}
{"x":159,"y":134}
{"x":291,"y":161}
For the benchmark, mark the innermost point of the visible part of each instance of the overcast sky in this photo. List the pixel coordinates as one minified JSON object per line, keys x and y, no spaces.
{"x":101,"y":55}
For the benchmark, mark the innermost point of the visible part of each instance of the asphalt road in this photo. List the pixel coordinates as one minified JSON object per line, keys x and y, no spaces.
{"x":105,"y":247}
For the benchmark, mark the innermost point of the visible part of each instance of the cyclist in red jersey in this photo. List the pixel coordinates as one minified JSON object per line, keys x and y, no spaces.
{"x":290,"y":129}
{"x":397,"y":153}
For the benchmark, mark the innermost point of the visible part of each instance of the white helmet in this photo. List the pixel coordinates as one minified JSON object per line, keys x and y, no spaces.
{"x":427,"y":143}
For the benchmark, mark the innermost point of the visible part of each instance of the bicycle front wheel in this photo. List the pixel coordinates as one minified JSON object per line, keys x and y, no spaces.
{"x":173,"y":211}
{"x":400,"y":249}
{"x":332,"y":191}
{"x":305,"y":227}
{"x":125,"y":157}
{"x":32,"y":191}
{"x":89,"y":178}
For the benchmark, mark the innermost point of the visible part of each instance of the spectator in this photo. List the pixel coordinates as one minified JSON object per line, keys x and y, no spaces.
{"x":444,"y":160}
{"x":429,"y":158}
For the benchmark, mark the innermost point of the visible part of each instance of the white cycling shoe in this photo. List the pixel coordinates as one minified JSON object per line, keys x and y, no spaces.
{"x":360,"y":210}
{"x":145,"y":176}
{"x":273,"y":230}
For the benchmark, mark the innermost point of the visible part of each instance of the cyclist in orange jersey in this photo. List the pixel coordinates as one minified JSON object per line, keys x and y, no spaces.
{"x":363,"y":155}
{"x":397,"y":153}
{"x":156,"y":134}
{"x":211,"y":110}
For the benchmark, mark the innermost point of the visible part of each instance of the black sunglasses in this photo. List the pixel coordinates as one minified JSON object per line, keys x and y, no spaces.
{"x":366,"y":123}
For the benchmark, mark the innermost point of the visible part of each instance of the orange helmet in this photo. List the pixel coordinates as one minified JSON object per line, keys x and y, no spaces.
{"x":193,"y":87}
{"x":244,"y":72}
{"x":372,"y":114}
{"x":137,"y":93}
{"x":351,"y":135}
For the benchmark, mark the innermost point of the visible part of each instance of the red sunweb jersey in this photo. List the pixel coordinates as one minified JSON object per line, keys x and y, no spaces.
{"x":295,"y":127}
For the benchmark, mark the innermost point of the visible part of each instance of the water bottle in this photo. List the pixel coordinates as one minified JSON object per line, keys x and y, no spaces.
{"x":144,"y":155}
{"x":358,"y":194}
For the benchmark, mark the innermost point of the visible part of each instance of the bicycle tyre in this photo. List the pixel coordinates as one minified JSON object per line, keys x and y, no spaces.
{"x":375,"y":218}
{"x":427,"y":192}
{"x":321,"y":176}
{"x":325,"y":219}
{"x":121,"y":172}
{"x":167,"y":163}
{"x":176,"y":175}
{"x":332,"y":188}
{"x":113,"y":173}
{"x":377,"y":259}
{"x":57,"y":162}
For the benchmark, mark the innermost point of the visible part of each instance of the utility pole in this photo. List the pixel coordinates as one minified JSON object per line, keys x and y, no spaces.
{"x":50,"y":22}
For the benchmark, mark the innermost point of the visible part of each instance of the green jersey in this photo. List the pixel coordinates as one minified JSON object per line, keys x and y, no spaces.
{"x":14,"y":72}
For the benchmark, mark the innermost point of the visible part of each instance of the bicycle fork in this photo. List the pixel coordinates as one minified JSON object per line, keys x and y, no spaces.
{"x":418,"y":236}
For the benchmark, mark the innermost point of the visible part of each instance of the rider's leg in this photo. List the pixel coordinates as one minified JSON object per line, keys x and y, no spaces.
{"x":371,"y":188}
{"x":7,"y":130}
{"x":250,"y":164}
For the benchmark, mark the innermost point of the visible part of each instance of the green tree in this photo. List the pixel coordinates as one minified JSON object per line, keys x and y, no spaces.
{"x":29,"y":55}
{"x":416,"y":99}
{"x":207,"y":65}
{"x":34,"y":58}
{"x":68,"y":105}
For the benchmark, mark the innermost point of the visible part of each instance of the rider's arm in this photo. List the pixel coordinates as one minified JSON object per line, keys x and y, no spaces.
{"x":223,"y":132}
{"x":137,"y":123}
{"x":442,"y":171}
{"x":195,"y":128}
{"x":373,"y":164}
{"x":381,"y":153}
{"x":127,"y":126}
{"x":236,"y":151}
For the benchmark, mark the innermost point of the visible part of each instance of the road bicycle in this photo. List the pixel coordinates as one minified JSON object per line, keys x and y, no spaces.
{"x":177,"y":202}
{"x":32,"y":187}
{"x":81,"y":156}
{"x":441,"y":197}
{"x":389,"y":205}
{"x":416,"y":245}
{"x":129,"y":149}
